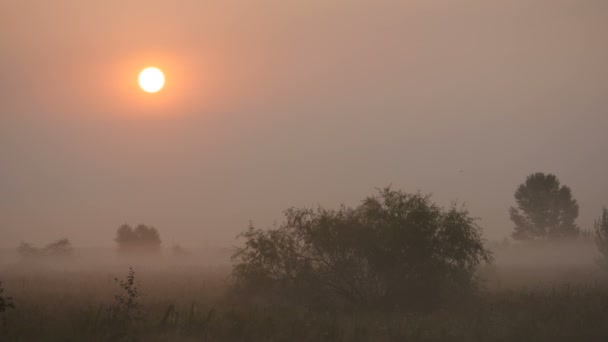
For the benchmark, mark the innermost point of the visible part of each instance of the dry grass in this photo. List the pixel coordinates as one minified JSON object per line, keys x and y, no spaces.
{"x":188,"y":303}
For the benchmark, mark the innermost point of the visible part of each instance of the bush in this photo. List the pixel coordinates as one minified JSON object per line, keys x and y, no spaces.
{"x":59,"y":248}
{"x":601,"y":237}
{"x":395,"y":250}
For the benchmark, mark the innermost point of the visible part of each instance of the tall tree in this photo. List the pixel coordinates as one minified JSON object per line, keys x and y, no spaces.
{"x":545,"y":209}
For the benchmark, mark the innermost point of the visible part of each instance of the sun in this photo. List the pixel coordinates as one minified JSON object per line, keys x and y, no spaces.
{"x":151,"y":80}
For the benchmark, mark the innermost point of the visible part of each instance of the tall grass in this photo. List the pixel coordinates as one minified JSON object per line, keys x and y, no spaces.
{"x":195,"y":306}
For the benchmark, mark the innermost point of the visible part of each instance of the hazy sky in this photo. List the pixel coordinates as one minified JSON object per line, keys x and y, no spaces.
{"x":273,"y":104}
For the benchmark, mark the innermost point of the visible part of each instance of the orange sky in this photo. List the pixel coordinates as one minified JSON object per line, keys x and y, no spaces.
{"x":271,"y":104}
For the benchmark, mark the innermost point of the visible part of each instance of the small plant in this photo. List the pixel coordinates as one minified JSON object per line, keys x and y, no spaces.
{"x":127,"y":307}
{"x":5,"y":302}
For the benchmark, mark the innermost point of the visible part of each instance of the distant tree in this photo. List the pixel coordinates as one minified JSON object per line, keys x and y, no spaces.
{"x":394,"y":250}
{"x":141,"y":239}
{"x":586,"y":235}
{"x":545,"y":210}
{"x":601,"y":237}
{"x":5,"y":302}
{"x":26,"y":250}
{"x":61,"y":247}
{"x":178,"y":250}
{"x":125,"y":236}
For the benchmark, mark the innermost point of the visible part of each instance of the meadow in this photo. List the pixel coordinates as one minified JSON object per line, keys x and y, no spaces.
{"x":530,"y":293}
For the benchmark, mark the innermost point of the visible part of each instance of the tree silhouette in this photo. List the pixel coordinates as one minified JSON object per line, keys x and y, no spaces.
{"x":59,"y":248}
{"x":26,"y":250}
{"x":601,"y":236}
{"x":394,"y":250}
{"x":141,"y":239}
{"x":545,"y":210}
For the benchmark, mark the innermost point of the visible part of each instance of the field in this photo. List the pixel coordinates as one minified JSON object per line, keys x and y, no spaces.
{"x":540,"y":293}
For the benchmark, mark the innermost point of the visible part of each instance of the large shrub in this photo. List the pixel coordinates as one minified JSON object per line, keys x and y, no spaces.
{"x":395,"y":250}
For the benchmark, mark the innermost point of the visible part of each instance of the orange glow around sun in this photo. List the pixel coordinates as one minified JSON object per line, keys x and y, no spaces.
{"x":189,"y":85}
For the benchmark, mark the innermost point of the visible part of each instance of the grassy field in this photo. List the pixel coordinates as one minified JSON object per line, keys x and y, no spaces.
{"x":182,"y":300}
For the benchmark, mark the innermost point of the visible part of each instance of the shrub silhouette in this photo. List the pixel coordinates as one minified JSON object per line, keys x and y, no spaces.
{"x":142,"y":239}
{"x":62,"y":247}
{"x":26,"y":250}
{"x":601,"y":237}
{"x":59,"y":248}
{"x":395,"y":250}
{"x":544,"y":209}
{"x":127,"y":308}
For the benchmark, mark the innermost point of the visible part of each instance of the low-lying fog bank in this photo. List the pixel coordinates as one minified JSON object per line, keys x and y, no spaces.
{"x":108,"y":259}
{"x":515,"y":265}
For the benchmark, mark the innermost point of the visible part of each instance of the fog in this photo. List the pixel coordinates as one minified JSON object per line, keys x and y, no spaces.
{"x":275,"y":104}
{"x":514,"y":266}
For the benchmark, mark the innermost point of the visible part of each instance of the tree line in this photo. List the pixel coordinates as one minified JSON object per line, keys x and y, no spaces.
{"x":395,"y":250}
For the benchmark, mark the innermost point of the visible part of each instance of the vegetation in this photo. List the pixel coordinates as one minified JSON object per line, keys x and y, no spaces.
{"x":545,"y":209}
{"x":601,"y":237}
{"x":142,"y":239}
{"x":178,"y":250}
{"x":390,"y":269}
{"x":5,"y":302}
{"x":62,"y":247}
{"x":394,"y":251}
{"x":124,"y":316}
{"x":60,"y":307}
{"x":59,"y":248}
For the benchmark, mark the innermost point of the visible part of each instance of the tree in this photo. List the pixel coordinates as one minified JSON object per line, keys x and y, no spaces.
{"x":178,"y":250}
{"x":394,"y":250}
{"x":142,"y":239}
{"x":26,"y":250}
{"x":601,"y":236}
{"x":545,"y":210}
{"x":59,"y":248}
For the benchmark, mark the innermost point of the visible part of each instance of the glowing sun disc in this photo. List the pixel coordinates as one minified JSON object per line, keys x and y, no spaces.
{"x":151,"y":80}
